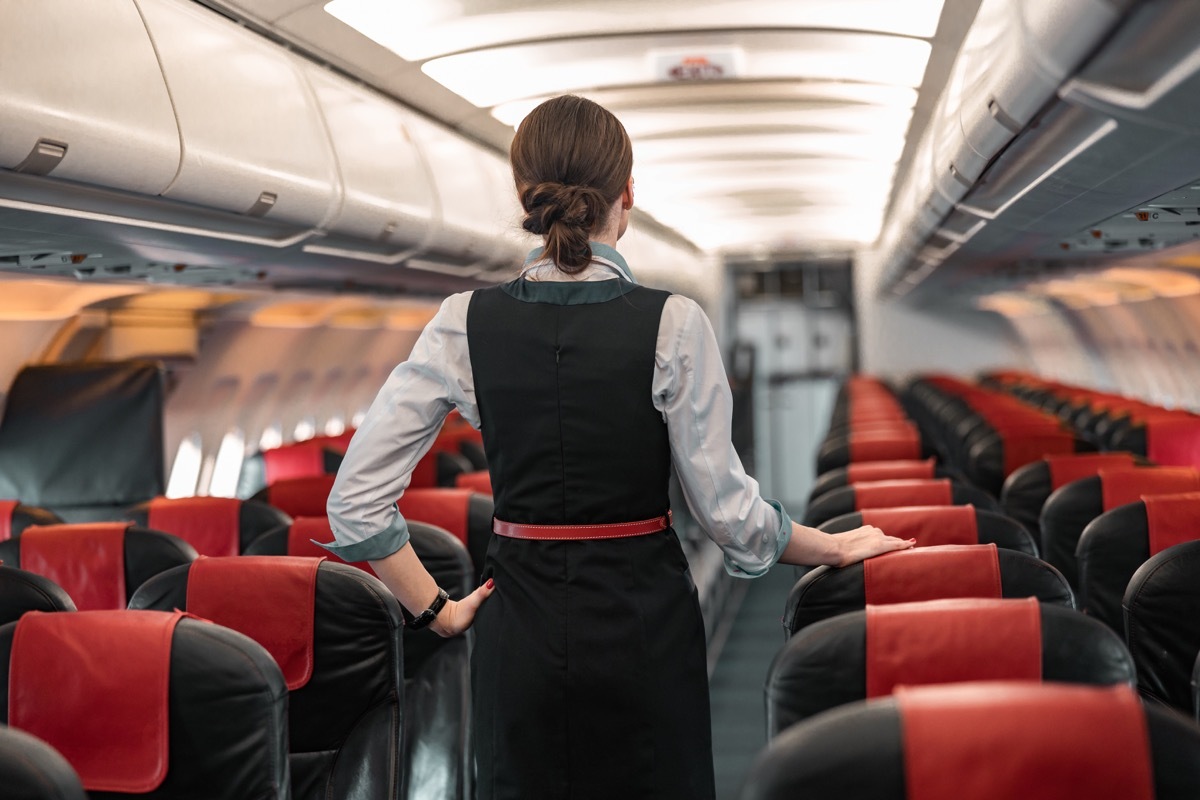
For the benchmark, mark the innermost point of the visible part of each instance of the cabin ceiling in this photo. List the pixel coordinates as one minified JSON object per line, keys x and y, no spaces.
{"x":772,"y":125}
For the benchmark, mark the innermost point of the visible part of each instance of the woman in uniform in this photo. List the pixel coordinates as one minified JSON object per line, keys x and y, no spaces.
{"x":589,"y":668}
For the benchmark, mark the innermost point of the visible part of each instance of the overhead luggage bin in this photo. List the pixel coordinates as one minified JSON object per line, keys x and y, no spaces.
{"x":471,"y":214}
{"x":83,"y":96}
{"x":387,"y":192}
{"x":253,"y":139}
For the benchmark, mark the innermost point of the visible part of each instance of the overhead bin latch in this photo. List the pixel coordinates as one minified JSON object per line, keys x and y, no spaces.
{"x":266,"y":201}
{"x":43,"y":158}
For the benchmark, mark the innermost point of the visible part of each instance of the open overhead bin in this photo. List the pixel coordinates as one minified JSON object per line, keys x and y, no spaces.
{"x":83,"y":96}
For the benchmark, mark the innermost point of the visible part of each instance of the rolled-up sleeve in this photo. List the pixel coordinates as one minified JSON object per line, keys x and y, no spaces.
{"x":692,"y":391}
{"x":396,"y":433}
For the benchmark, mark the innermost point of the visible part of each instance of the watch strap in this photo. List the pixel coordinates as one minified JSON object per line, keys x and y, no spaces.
{"x":427,"y":616}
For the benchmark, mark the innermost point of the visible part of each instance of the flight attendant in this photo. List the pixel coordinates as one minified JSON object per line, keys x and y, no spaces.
{"x":589,"y":668}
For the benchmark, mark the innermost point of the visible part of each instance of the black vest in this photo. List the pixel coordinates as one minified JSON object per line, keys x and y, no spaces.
{"x":563,"y":376}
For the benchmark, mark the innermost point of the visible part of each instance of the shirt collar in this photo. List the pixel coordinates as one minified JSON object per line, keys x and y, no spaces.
{"x":602,"y":254}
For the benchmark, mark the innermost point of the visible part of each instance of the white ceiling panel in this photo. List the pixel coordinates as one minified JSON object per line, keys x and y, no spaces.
{"x":490,"y":77}
{"x":421,"y":29}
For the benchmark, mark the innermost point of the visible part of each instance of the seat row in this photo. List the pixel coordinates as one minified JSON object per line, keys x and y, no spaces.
{"x":905,"y":620}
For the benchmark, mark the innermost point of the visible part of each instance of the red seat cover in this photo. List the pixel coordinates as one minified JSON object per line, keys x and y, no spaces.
{"x":294,"y":461}
{"x":932,"y":573}
{"x":480,"y":481}
{"x":891,"y":494}
{"x":868,"y":471}
{"x":87,"y":560}
{"x":1173,"y":441}
{"x":268,"y":598}
{"x":1065,"y":469}
{"x":929,"y":525}
{"x":949,"y":641}
{"x":7,"y":507}
{"x":303,"y":536}
{"x":212,"y":525}
{"x":301,"y":497}
{"x":95,"y":686}
{"x":1172,"y":519}
{"x":1123,"y":486}
{"x":885,"y":446}
{"x":1021,"y":448}
{"x":445,"y":508}
{"x":1001,"y":741}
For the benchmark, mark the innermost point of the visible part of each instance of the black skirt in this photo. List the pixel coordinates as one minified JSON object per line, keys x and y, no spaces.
{"x":589,"y":675}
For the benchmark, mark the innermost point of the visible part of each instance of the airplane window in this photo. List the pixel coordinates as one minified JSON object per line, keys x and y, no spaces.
{"x":228,"y":465}
{"x":271,"y":437}
{"x":305,"y":429}
{"x":186,"y":470}
{"x":335,"y":426}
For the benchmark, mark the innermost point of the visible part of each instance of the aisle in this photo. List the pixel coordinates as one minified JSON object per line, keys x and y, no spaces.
{"x":736,"y":687}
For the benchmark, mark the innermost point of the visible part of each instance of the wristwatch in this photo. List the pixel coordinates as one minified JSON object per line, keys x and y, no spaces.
{"x":427,"y":616}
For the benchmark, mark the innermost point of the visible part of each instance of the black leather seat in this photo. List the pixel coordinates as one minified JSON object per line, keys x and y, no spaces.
{"x":1025,"y":491}
{"x":985,"y":741}
{"x":937,"y":525}
{"x":873,"y":445}
{"x":119,"y":556}
{"x":222,"y":696}
{"x":863,"y":654}
{"x":214,"y":526}
{"x":30,"y":769}
{"x":345,"y":718}
{"x":929,"y":573}
{"x":1117,"y":542}
{"x":996,"y":455}
{"x":892,"y":494}
{"x":21,"y":591}
{"x":438,"y":757}
{"x":1069,"y":509}
{"x":1162,"y":624}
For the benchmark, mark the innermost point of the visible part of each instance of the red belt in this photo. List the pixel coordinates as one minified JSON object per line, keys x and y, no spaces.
{"x":612,"y":530}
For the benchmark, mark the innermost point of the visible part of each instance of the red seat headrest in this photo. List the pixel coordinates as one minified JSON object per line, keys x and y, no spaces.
{"x":445,"y":508}
{"x":932,"y":573}
{"x":301,"y":497}
{"x":298,"y":460}
{"x":271,"y":599}
{"x":1172,"y":519}
{"x":870,"y":471}
{"x":884,"y":446}
{"x":1121,"y":486}
{"x":86,"y":559}
{"x":929,"y":525}
{"x":212,"y":525}
{"x":950,"y":641}
{"x":1025,"y":448}
{"x":479,"y":481}
{"x":998,"y":741}
{"x":1173,"y":441}
{"x":7,"y":507}
{"x":892,"y":494}
{"x":303,"y":536}
{"x":94,"y":685}
{"x":1065,"y":469}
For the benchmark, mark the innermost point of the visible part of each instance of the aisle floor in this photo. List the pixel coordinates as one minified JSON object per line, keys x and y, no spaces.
{"x":736,"y":687}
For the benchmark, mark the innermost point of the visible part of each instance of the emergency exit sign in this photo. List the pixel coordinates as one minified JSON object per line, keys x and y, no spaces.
{"x":708,"y":65}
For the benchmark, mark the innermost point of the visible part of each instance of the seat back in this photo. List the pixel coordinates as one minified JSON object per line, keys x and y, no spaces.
{"x":901,"y":443}
{"x":214,"y":526}
{"x":15,"y":517}
{"x":1025,"y":491}
{"x":938,"y":525}
{"x":30,"y":769}
{"x":344,"y":626}
{"x":1069,"y":510}
{"x":298,"y":497}
{"x":865,"y":471}
{"x":477,"y":481}
{"x":894,"y":494}
{"x":1116,"y":543}
{"x":298,"y":460}
{"x":84,"y":440}
{"x":866,"y":654}
{"x":438,"y":756}
{"x":924,"y":573}
{"x":938,"y":742}
{"x":1162,"y":623}
{"x":21,"y":591}
{"x":99,"y":565}
{"x":204,"y":702}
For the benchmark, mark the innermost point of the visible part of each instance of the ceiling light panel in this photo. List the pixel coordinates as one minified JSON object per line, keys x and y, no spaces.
{"x":488,"y":78}
{"x":884,"y":147}
{"x":422,"y":29}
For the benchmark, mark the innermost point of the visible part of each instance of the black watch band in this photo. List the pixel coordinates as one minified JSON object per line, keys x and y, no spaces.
{"x":427,"y":616}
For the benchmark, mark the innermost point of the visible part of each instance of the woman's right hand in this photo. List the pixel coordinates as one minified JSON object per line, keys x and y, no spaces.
{"x":865,"y":542}
{"x":457,"y":616}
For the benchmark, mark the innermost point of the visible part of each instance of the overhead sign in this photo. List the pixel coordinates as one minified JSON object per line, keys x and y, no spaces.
{"x":709,"y":65}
